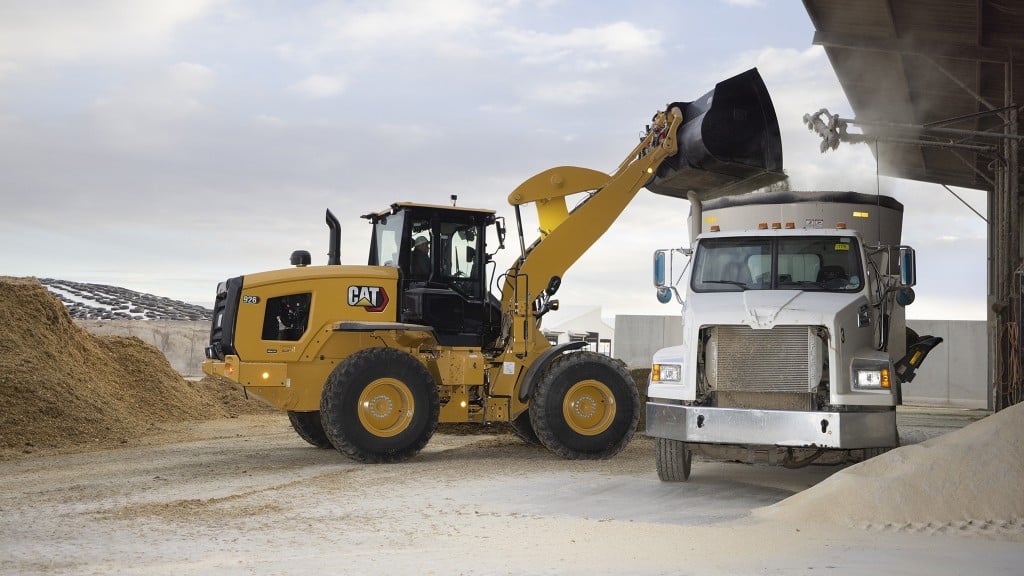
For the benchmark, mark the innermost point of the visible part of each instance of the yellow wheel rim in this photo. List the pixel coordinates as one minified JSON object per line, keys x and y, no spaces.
{"x":589,"y":407}
{"x":385,"y":407}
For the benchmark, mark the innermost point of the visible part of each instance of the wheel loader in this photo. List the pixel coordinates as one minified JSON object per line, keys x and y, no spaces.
{"x":369,"y":359}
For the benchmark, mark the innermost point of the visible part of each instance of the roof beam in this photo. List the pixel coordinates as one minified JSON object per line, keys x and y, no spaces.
{"x":943,"y":49}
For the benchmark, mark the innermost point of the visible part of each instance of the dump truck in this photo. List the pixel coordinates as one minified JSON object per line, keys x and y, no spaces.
{"x":368,"y":359}
{"x":795,"y":343}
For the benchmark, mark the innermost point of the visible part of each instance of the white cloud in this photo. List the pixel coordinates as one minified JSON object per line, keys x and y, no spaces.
{"x":56,"y":31}
{"x":320,"y":86}
{"x":617,"y":39}
{"x":146,"y":111}
{"x":571,"y":93}
{"x":402,"y":21}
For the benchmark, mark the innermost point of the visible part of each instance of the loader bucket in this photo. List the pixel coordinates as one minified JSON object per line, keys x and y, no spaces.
{"x":729,"y":142}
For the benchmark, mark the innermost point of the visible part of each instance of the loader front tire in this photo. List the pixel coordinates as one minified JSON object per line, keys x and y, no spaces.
{"x":379,"y":405}
{"x":585,"y":406}
{"x":308,"y":426}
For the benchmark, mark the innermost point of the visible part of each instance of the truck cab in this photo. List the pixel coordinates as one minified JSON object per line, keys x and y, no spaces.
{"x":794,"y":330}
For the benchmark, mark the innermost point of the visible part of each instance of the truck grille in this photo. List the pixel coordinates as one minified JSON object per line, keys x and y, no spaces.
{"x":782,"y":359}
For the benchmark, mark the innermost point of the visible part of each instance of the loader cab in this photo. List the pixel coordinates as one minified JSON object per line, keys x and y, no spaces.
{"x":441,"y":254}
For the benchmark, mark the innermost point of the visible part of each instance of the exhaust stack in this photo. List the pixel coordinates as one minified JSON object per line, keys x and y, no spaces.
{"x":334,"y":245}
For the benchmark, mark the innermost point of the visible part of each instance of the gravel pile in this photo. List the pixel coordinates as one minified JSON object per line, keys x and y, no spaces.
{"x":61,"y":387}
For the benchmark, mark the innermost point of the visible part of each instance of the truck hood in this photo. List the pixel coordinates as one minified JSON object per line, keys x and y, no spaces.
{"x":763,"y":309}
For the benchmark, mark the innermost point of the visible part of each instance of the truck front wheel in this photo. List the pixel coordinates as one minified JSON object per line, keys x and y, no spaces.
{"x":308,"y":426}
{"x":585,"y":406}
{"x":673,"y":459}
{"x":379,"y":405}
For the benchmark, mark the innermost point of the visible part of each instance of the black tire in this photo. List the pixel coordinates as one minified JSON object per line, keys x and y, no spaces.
{"x":308,"y":426}
{"x":673,"y":460}
{"x":379,"y":405}
{"x":585,"y":406}
{"x":522,"y":427}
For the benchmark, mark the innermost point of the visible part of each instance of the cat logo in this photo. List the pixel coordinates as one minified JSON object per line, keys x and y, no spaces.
{"x":372,"y":298}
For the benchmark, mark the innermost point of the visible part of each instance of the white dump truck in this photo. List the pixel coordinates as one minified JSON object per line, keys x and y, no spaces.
{"x":794,"y":333}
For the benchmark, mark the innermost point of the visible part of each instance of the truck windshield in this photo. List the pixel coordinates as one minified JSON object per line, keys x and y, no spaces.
{"x":815,"y":263}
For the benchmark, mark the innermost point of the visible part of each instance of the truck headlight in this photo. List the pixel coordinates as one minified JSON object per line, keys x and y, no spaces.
{"x":666,"y":373}
{"x":874,"y":379}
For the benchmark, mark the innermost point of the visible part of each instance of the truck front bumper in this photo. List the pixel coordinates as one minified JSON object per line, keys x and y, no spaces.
{"x":704,"y":425}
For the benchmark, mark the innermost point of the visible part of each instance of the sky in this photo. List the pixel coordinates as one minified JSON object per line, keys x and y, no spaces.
{"x":166,"y":146}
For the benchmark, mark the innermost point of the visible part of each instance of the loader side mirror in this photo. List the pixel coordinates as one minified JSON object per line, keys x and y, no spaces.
{"x":499,"y":225}
{"x":908,"y":266}
{"x":553,"y":285}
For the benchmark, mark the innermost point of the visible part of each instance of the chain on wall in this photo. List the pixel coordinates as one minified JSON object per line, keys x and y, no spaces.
{"x":1010,"y":381}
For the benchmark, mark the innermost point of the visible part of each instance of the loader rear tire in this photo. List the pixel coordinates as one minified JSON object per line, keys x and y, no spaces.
{"x":522,"y":427}
{"x":379,"y":405}
{"x":585,"y":406}
{"x":308,"y":426}
{"x":673,"y":460}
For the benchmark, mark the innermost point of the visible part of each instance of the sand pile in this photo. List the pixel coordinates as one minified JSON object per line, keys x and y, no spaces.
{"x":61,"y":387}
{"x":970,"y":477}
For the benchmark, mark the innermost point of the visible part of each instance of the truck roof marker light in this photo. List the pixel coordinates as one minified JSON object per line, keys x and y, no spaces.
{"x":776,"y":225}
{"x":841,"y":225}
{"x":716,"y":228}
{"x":762,"y":226}
{"x":860,"y":215}
{"x":790,"y":225}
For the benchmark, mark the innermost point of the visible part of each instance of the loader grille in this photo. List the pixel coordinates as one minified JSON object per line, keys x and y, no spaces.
{"x":222,"y":326}
{"x":775,"y":360}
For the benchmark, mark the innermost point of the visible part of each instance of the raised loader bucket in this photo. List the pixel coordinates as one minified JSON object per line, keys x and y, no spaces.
{"x":729,"y":142}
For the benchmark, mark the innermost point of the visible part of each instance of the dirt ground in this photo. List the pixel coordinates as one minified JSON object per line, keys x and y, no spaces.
{"x":247,"y":496}
{"x":111,"y":463}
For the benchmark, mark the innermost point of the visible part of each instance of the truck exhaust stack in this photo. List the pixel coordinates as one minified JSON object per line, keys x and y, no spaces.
{"x":729,"y":142}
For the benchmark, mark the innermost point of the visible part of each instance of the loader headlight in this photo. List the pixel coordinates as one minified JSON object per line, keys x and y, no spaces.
{"x":875,"y":379}
{"x":666,"y":373}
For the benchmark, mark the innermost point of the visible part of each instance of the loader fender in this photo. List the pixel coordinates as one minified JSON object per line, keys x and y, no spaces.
{"x":526,"y":388}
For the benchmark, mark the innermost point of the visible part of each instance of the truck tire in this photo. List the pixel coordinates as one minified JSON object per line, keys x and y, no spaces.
{"x":308,"y":426}
{"x":379,"y":405}
{"x":522,"y":427}
{"x":673,"y":460}
{"x":585,"y":406}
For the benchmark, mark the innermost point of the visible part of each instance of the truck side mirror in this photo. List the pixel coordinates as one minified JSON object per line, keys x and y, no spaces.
{"x":908,"y":266}
{"x":659,"y":269}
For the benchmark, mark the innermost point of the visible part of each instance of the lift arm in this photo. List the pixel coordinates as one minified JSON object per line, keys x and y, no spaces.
{"x":566,"y":235}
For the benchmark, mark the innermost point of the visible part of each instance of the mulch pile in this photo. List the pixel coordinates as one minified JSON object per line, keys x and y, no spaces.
{"x":62,"y":387}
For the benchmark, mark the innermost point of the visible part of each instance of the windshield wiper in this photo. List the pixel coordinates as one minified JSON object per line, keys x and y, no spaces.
{"x":733,"y":282}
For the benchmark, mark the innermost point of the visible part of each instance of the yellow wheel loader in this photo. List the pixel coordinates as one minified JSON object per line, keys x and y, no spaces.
{"x":368,"y":359}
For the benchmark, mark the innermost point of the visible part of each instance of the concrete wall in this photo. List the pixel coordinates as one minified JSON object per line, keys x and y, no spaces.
{"x":956,"y":371}
{"x":954,"y":374}
{"x":182,"y":341}
{"x":637,"y":338}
